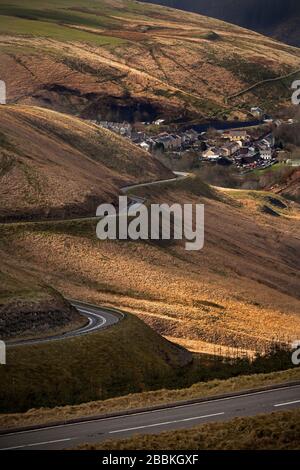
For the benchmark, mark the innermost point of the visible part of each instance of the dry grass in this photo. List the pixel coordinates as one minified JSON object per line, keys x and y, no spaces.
{"x":128,"y":357}
{"x":274,"y":431}
{"x":29,"y":308}
{"x":146,"y":399}
{"x":239,"y":291}
{"x":62,"y":166}
{"x":165,"y":57}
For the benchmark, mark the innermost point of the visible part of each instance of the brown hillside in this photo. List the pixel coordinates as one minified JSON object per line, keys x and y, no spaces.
{"x":52,"y":165}
{"x":241,"y":290}
{"x":28,"y":307}
{"x":125,"y":60}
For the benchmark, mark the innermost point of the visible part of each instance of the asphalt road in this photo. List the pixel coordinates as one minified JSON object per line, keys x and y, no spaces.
{"x":98,"y":318}
{"x":176,"y":417}
{"x":179,"y":175}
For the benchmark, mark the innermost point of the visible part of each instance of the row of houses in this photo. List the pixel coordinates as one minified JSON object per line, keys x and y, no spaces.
{"x":169,"y":142}
{"x":122,"y":128}
{"x":164,"y":141}
{"x":240,"y":149}
{"x":235,"y":144}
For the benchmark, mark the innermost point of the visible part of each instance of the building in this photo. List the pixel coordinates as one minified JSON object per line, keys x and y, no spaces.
{"x":236,"y":135}
{"x":212,"y":153}
{"x":293,"y":162}
{"x":145,"y":146}
{"x":177,"y":141}
{"x":190,"y":136}
{"x":2,"y":92}
{"x":138,"y":137}
{"x":257,"y":112}
{"x":168,"y":141}
{"x":230,"y":149}
{"x":266,"y":154}
{"x":122,"y":128}
{"x":269,"y":140}
{"x":250,"y":158}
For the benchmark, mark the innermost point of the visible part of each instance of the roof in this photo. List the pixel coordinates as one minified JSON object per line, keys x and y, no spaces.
{"x":237,"y":132}
{"x":229,"y":145}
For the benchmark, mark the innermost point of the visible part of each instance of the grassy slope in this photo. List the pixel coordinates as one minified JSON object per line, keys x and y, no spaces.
{"x":146,"y":399}
{"x":232,"y":293}
{"x":28,"y":307}
{"x":275,"y":431}
{"x":52,"y":164}
{"x":229,"y":293}
{"x":126,"y":49}
{"x":252,"y":14}
{"x":128,"y":357}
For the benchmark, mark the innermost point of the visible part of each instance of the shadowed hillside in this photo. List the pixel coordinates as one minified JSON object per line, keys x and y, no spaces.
{"x":277,"y":18}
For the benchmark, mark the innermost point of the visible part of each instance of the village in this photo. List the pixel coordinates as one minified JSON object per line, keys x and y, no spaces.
{"x":244,"y":148}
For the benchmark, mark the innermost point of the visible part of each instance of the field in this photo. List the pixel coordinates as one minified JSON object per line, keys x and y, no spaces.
{"x":230,"y":299}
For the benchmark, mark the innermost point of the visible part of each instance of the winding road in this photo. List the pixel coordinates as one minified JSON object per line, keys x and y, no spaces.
{"x":98,"y":318}
{"x":170,"y":417}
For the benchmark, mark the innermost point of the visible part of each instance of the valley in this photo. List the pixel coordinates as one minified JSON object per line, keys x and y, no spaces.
{"x":109,"y":98}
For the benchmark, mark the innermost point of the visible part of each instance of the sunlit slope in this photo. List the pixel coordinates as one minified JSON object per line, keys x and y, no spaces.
{"x":52,"y":165}
{"x":124,"y":59}
{"x":241,"y":290}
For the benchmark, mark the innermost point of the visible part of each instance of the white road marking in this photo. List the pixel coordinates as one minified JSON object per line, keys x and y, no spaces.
{"x":38,"y":444}
{"x":288,"y":403}
{"x":165,"y":423}
{"x":93,"y":315}
{"x":79,"y":423}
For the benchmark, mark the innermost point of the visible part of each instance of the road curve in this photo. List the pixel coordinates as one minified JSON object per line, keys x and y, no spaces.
{"x":98,"y":318}
{"x":180,"y":416}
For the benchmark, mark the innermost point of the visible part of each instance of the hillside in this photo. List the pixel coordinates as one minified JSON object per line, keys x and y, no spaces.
{"x":96,"y":366}
{"x":28,"y":307}
{"x":133,"y":61}
{"x":277,"y":18}
{"x":240,"y":291}
{"x":236,"y":296}
{"x":53,"y":165}
{"x":291,"y":188}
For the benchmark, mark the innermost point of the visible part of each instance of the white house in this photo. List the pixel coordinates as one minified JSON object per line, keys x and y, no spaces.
{"x":145,"y":146}
{"x":257,"y":112}
{"x":266,"y":154}
{"x":212,"y":153}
